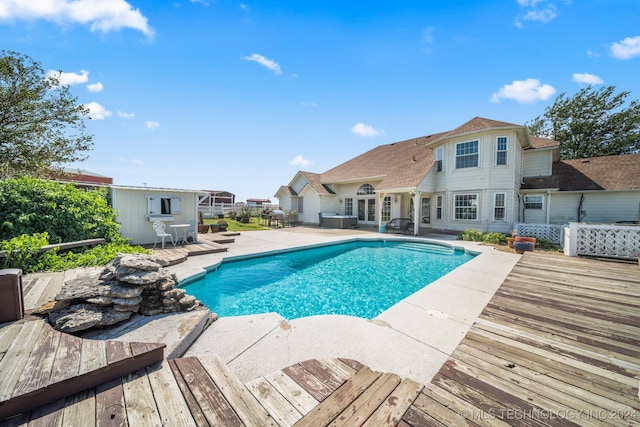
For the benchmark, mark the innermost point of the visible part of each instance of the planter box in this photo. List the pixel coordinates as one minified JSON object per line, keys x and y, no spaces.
{"x":203,"y":228}
{"x":214,"y":228}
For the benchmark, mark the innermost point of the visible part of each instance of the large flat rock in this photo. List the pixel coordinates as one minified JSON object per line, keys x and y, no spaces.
{"x":176,"y":330}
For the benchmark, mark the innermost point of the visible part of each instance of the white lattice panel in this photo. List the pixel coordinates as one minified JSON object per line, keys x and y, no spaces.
{"x":549,"y":232}
{"x":609,"y":241}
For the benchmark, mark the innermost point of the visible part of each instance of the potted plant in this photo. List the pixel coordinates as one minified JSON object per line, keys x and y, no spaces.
{"x":222,"y":225}
{"x":203,"y":228}
{"x":511,"y":239}
{"x":215,"y":227}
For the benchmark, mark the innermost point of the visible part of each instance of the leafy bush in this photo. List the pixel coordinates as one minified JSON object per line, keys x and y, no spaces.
{"x":472,"y":235}
{"x":66,"y":213}
{"x":24,"y":252}
{"x":495,"y":238}
{"x":546,"y":244}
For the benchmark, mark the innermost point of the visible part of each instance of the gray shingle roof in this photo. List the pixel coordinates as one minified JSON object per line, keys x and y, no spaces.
{"x":400,"y":165}
{"x":596,"y":173}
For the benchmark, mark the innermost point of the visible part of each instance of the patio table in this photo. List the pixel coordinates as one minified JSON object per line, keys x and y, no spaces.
{"x":180,"y":232}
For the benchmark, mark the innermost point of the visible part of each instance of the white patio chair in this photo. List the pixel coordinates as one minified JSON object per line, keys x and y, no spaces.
{"x":159,"y":228}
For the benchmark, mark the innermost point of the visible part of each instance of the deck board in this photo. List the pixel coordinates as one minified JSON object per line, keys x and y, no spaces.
{"x":558,"y":344}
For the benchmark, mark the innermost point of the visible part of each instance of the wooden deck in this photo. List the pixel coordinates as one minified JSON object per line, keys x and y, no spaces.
{"x":558,"y":344}
{"x":208,"y":243}
{"x":39,"y":364}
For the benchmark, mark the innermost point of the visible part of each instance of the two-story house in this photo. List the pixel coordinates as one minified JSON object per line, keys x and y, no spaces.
{"x":485,"y":175}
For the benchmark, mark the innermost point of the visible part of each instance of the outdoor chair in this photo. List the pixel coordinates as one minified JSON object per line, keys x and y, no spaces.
{"x":159,"y":227}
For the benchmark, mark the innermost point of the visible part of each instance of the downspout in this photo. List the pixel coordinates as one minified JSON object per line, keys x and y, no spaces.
{"x":580,"y":207}
{"x":548,"y":205}
{"x":523,"y":209}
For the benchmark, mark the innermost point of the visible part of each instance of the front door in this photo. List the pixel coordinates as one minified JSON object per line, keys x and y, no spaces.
{"x":367,"y":211}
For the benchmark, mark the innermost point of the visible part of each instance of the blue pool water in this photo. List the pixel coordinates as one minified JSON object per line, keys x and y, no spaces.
{"x":361,"y":278}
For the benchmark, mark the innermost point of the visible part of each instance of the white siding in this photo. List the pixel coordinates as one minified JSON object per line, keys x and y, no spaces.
{"x":484,"y":180}
{"x":606,"y":207}
{"x":537,"y":163}
{"x":311,"y":206}
{"x":132,"y":207}
{"x":535,"y":216}
{"x":285,"y":202}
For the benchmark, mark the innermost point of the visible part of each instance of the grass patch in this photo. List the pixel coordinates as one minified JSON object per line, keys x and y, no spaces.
{"x":233,"y":225}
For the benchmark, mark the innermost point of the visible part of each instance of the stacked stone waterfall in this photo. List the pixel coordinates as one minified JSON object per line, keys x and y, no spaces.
{"x":132,"y":283}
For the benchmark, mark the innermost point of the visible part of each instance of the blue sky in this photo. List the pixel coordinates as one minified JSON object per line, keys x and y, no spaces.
{"x":238,"y":96}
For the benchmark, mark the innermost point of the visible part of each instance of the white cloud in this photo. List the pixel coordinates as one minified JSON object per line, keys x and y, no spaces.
{"x":124,"y":115}
{"x":97,"y":111}
{"x":592,"y":54}
{"x":101,"y":15}
{"x":300,"y":161}
{"x":626,"y":49}
{"x":265,"y":62}
{"x":587,"y":78}
{"x":524,"y":91}
{"x":427,"y":35}
{"x":152,"y":125}
{"x":70,"y":78}
{"x":365,"y":130}
{"x":545,"y":15}
{"x":95,"y":87}
{"x":309,"y":104}
{"x":547,"y":12}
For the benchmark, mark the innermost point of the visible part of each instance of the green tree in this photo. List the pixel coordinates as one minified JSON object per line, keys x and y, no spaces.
{"x":592,"y":123}
{"x":41,"y":122}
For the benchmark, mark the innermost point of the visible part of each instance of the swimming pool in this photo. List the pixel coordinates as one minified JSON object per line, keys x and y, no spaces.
{"x":357,"y":278}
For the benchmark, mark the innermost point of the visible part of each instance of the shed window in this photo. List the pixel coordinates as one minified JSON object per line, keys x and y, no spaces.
{"x":163,"y":205}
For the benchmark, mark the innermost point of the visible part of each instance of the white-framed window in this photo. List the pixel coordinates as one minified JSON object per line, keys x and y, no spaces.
{"x":348,"y":206}
{"x":501,"y":150}
{"x":386,"y":209}
{"x":365,"y":190}
{"x":533,"y":202}
{"x":439,"y":207}
{"x":439,"y":159}
{"x":467,"y":154}
{"x":499,"y":207}
{"x":465,"y":206}
{"x":300,"y":204}
{"x":163,"y":205}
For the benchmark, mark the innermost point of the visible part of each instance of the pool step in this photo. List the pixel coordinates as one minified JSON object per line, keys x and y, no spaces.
{"x":426,"y":248}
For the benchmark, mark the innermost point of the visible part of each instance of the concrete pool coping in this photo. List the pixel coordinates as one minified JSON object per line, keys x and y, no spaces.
{"x":413,"y":338}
